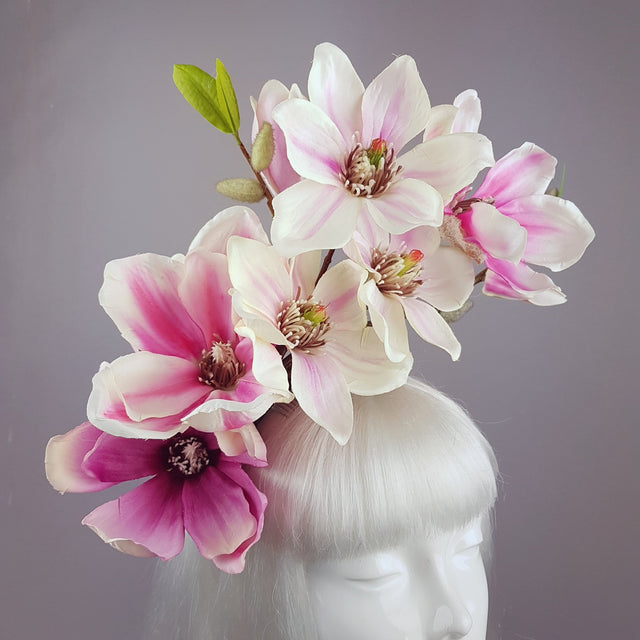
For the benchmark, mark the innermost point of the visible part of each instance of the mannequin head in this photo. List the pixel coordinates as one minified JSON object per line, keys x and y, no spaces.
{"x":410,"y":493}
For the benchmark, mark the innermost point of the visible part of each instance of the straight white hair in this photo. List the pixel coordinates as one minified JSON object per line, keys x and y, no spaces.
{"x":415,"y":466}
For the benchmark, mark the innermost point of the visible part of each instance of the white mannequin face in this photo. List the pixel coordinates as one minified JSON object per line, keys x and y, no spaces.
{"x":430,"y":589}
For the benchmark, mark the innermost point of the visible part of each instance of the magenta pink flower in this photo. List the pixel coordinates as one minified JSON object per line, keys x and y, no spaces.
{"x":194,"y":486}
{"x":510,"y":222}
{"x":189,"y":367}
{"x":345,"y":143}
{"x":322,"y":328}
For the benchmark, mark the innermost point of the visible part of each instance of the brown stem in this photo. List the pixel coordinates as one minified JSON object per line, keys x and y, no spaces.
{"x":259,"y":178}
{"x":480,"y":277}
{"x":325,"y":264}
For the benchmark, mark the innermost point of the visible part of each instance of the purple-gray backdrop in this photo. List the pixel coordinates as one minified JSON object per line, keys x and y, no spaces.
{"x":102,"y":158}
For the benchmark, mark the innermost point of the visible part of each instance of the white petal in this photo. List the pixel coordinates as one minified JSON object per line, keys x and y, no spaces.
{"x":395,"y":106}
{"x":469,"y":112}
{"x":337,"y":289}
{"x":440,"y":121}
{"x":447,"y":279}
{"x":448,"y":163}
{"x":336,"y":88}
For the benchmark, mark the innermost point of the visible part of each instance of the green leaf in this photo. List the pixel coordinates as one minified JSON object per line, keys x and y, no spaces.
{"x":227,"y":97}
{"x":200,"y":91}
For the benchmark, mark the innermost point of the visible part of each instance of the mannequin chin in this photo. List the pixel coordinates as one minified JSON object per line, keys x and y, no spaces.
{"x":382,"y":538}
{"x":432,"y":588}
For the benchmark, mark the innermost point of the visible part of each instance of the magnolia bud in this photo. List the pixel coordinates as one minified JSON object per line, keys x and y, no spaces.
{"x":262,"y":150}
{"x":242,"y":189}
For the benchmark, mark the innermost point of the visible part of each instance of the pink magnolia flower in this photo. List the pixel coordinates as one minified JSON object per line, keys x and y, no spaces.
{"x":189,"y":367}
{"x":195,"y":485}
{"x":279,"y":175}
{"x":321,"y":326}
{"x":412,"y":276}
{"x":344,"y":142}
{"x":511,"y":223}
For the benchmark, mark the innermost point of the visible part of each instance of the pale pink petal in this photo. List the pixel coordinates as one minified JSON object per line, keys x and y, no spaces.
{"x":305,"y":268}
{"x":364,"y":364}
{"x":267,"y":367}
{"x":221,"y":516}
{"x":395,"y":106}
{"x":337,"y":290}
{"x":140,"y":294}
{"x":155,"y":386}
{"x":448,"y":163}
{"x":245,"y":441}
{"x":520,"y":282}
{"x":525,"y":171}
{"x":312,"y":216}
{"x":315,"y":146}
{"x":469,"y":112}
{"x":430,"y":326}
{"x":259,"y":275}
{"x":447,"y":279}
{"x":498,"y":235}
{"x":322,"y":392}
{"x":440,"y":121}
{"x":557,"y":232}
{"x":106,"y":409}
{"x":387,"y":317}
{"x":63,"y":460}
{"x":336,"y":88}
{"x":233,"y":221}
{"x":204,"y":291}
{"x":406,"y":204}
{"x":149,"y":516}
{"x":120,"y":459}
{"x":425,"y":239}
{"x":280,"y":173}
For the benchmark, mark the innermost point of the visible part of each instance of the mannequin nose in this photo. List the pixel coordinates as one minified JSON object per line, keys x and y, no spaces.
{"x":452,"y":620}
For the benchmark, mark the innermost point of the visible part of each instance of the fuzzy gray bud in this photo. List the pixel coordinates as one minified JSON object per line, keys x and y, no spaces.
{"x":242,"y":189}
{"x":262,"y":150}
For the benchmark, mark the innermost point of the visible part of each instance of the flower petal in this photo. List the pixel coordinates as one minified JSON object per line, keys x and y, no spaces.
{"x":121,"y":459}
{"x":313,"y":216}
{"x":336,"y":88}
{"x":362,"y":360}
{"x":448,"y":163}
{"x":315,"y":146}
{"x":406,"y":204}
{"x":387,"y":318}
{"x":447,"y":279}
{"x":395,"y":106}
{"x":440,"y":121}
{"x":233,"y":221}
{"x":337,"y":290}
{"x":140,"y":294}
{"x":322,"y":392}
{"x":498,"y":235}
{"x":244,"y":444}
{"x":63,"y":460}
{"x":204,"y":292}
{"x":469,"y":112}
{"x":146,"y":521}
{"x":518,"y":281}
{"x":431,"y":326}
{"x":525,"y":171}
{"x":223,"y":517}
{"x":557,"y":232}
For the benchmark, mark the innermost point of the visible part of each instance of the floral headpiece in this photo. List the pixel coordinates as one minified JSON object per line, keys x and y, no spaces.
{"x":240,"y":323}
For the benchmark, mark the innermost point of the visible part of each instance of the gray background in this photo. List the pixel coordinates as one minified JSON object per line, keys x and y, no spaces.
{"x":101,"y":158}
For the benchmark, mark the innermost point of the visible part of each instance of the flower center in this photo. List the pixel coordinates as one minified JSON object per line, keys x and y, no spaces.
{"x":464,"y":205}
{"x":303,"y":323}
{"x":188,"y":455}
{"x":369,"y":172}
{"x":399,"y":272}
{"x":219,"y":367}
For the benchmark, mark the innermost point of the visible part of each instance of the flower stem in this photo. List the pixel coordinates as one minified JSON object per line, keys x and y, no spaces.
{"x":480,"y":277}
{"x":259,"y":178}
{"x":325,"y":264}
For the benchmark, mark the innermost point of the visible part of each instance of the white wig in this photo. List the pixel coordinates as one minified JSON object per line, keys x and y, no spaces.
{"x":416,"y":465}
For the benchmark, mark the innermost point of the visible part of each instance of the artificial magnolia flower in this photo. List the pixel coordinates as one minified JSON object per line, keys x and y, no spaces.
{"x":411,"y":276}
{"x":322,"y":327}
{"x":279,"y":175}
{"x":510,"y":222}
{"x":344,"y":143}
{"x":195,"y":486}
{"x":189,"y":366}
